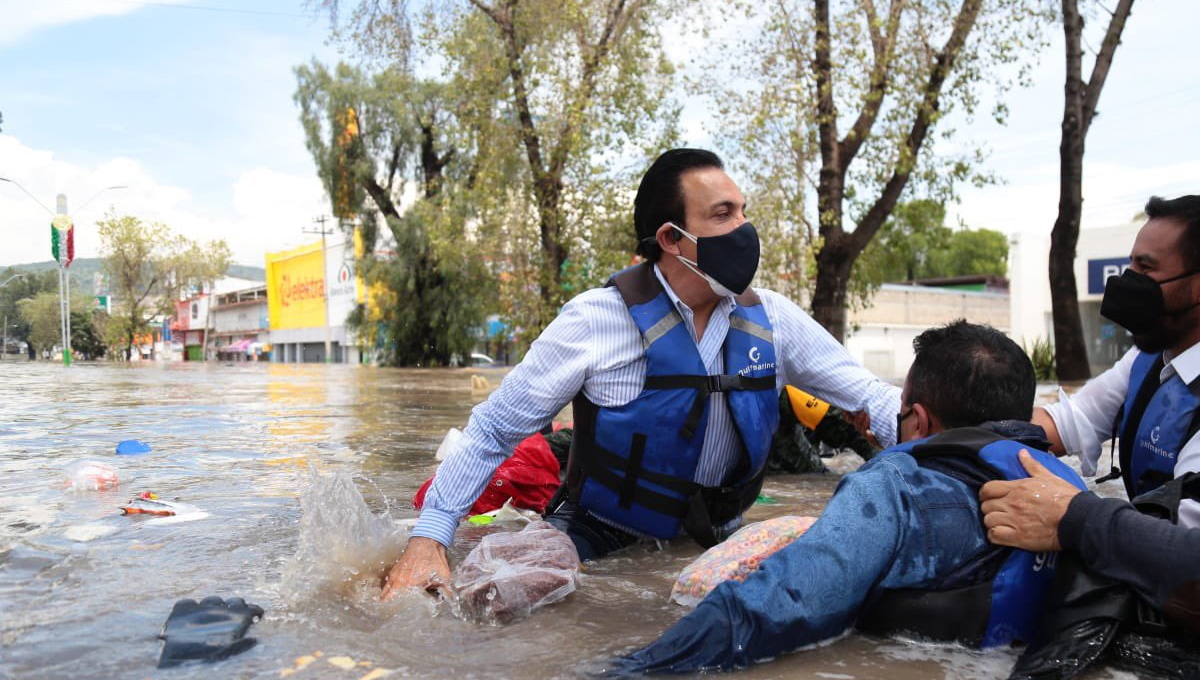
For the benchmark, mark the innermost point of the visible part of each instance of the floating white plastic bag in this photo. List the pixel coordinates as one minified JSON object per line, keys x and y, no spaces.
{"x":90,"y":475}
{"x":510,"y":574}
{"x":736,"y":557}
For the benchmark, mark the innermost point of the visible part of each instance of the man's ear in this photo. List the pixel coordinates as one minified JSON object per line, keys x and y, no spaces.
{"x":668,"y":238}
{"x":927,"y":423}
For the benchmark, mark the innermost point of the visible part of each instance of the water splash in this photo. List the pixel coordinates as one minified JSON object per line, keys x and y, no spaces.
{"x":344,"y":548}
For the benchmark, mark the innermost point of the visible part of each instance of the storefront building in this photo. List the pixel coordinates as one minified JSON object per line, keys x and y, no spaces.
{"x":241,"y":331}
{"x":310,"y":294}
{"x":1099,"y":253}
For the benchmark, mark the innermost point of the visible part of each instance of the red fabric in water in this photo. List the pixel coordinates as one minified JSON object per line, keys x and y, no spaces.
{"x":529,"y":477}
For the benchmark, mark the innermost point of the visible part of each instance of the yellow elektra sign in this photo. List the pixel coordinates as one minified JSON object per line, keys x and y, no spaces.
{"x":296,"y":288}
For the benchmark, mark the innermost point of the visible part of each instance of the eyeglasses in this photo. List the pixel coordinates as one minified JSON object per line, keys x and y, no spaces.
{"x":900,"y":417}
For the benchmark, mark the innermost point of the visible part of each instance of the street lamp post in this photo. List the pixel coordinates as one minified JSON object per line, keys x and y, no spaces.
{"x":61,"y":223}
{"x":4,"y":347}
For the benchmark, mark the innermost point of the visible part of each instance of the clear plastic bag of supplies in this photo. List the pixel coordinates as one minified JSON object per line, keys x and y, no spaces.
{"x":510,"y":574}
{"x":89,"y":475}
{"x":736,"y":557}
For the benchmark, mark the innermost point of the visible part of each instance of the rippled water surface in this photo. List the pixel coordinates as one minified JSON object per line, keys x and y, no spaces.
{"x":305,"y":473}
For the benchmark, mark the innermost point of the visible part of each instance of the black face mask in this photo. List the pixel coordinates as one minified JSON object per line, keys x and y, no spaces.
{"x":1135,"y":302}
{"x":728,"y":262}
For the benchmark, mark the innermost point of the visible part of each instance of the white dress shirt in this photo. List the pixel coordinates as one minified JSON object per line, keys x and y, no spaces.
{"x":1085,"y":419}
{"x":594,"y":346}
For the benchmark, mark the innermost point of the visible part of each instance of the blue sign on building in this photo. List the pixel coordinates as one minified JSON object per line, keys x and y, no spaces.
{"x":1100,"y":270}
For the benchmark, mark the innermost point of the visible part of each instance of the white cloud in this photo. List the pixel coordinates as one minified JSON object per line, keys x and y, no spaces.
{"x":263,"y":210}
{"x":23,"y":18}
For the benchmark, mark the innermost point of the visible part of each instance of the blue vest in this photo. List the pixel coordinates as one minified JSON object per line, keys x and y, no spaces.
{"x":1151,"y":440}
{"x":967,"y":605}
{"x":635,"y":465}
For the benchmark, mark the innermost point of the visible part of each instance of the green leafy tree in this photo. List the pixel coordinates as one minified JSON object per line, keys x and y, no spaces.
{"x":27,"y":285}
{"x":184,"y":263}
{"x":131,"y":250}
{"x":148,"y":268}
{"x":971,"y":252}
{"x":87,"y":333}
{"x":906,"y":248}
{"x":550,"y":97}
{"x":916,"y":244}
{"x":842,"y":102}
{"x":42,"y":315}
{"x":561,"y":84}
{"x":372,"y":138}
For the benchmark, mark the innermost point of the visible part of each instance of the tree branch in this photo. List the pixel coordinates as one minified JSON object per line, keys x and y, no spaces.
{"x":503,"y":18}
{"x":382,"y":198}
{"x":943,"y":64}
{"x":884,"y":49}
{"x":1112,"y":38}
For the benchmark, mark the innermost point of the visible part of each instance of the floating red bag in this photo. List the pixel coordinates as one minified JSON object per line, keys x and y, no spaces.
{"x":529,"y":477}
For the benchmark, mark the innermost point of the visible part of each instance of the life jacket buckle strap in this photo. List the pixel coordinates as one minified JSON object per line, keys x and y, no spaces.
{"x":723,"y":383}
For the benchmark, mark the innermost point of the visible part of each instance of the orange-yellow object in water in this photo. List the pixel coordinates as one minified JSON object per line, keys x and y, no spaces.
{"x":808,"y":409}
{"x":148,"y":503}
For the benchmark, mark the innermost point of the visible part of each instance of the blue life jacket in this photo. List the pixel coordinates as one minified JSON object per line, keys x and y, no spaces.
{"x":1156,"y":421}
{"x":996,"y":596}
{"x":635,"y":465}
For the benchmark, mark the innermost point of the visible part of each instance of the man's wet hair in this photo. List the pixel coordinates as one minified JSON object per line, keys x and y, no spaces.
{"x":660,"y":197}
{"x":967,"y":374}
{"x":1187,"y":210}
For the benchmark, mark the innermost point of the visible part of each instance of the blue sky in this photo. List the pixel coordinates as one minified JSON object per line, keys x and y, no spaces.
{"x":191,"y":108}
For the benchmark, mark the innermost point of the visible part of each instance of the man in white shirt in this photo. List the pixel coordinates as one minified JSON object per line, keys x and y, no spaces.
{"x":674,"y":371}
{"x":1149,"y":398}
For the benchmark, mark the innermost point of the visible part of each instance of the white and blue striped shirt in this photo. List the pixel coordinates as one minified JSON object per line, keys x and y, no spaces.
{"x":594,"y":346}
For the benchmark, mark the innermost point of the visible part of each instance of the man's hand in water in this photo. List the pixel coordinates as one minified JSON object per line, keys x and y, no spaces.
{"x":422,"y":565}
{"x":1025,"y":513}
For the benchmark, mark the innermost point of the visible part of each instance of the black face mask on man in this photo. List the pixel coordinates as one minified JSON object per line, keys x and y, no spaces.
{"x":1135,"y":302}
{"x":727,"y":262}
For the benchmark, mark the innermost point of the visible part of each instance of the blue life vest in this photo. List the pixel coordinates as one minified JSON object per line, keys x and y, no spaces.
{"x":1157,"y":420}
{"x":635,"y":465}
{"x":997,"y":596}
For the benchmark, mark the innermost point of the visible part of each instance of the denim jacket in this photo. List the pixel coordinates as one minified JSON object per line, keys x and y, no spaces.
{"x":891,"y":524}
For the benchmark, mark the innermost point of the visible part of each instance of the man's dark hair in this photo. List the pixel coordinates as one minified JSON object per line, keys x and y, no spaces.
{"x":967,"y":374}
{"x":1186,"y":209}
{"x":660,"y":198}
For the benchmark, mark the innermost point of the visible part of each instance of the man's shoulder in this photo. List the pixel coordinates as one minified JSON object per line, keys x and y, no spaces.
{"x":777,"y":305}
{"x":896,"y":457}
{"x":604,"y":297}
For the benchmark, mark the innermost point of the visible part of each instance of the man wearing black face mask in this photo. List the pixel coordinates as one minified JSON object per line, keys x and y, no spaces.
{"x":1149,"y":399}
{"x":674,"y":371}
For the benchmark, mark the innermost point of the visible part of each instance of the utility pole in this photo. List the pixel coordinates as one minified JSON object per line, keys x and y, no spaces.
{"x":321,"y":220}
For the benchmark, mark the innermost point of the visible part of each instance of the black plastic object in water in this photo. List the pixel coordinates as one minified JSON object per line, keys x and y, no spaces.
{"x":209,"y":630}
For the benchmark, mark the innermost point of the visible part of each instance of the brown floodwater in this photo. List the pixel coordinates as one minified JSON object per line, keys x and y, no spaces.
{"x":305,"y":473}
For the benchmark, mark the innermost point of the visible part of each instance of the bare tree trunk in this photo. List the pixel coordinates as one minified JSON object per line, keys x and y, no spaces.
{"x":1079,"y":109}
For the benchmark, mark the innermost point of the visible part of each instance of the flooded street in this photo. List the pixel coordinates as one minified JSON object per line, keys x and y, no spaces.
{"x":282,"y":458}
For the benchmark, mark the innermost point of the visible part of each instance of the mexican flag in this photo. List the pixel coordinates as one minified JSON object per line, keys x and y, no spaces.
{"x":62,"y":239}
